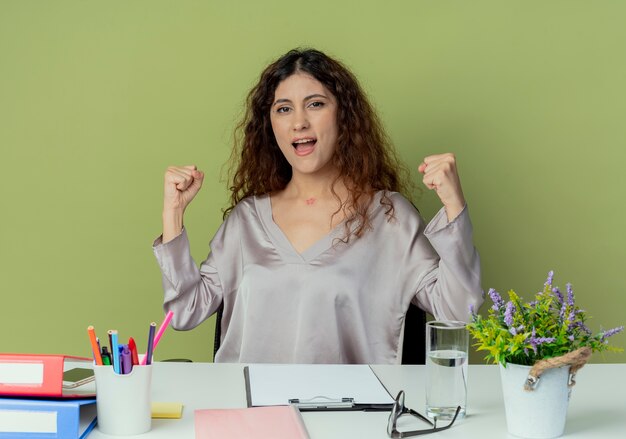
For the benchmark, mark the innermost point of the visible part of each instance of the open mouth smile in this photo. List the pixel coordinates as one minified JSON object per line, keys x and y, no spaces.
{"x":304,"y":146}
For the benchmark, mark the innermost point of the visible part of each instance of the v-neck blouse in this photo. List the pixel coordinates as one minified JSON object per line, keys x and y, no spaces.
{"x":287,"y":251}
{"x":335,"y":302}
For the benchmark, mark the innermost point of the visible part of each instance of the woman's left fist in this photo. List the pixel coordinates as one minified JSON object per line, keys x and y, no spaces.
{"x":440,"y":174}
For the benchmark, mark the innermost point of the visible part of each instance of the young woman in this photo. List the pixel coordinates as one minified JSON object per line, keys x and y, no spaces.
{"x":320,"y":254}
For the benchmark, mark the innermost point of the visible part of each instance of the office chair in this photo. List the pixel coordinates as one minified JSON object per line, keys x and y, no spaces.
{"x":218,"y":330}
{"x":413,"y":350}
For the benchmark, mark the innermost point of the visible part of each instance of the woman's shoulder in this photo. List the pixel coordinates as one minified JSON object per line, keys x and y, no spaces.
{"x":394,"y":212}
{"x":250,"y":205}
{"x":240,"y":215}
{"x":400,"y":204}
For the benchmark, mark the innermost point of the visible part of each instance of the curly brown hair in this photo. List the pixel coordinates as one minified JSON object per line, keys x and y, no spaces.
{"x":365,"y":157}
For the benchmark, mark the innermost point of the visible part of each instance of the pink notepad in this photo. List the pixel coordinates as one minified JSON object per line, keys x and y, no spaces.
{"x":275,"y":422}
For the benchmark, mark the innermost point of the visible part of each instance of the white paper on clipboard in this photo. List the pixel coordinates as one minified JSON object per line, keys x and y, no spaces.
{"x":316,"y":386}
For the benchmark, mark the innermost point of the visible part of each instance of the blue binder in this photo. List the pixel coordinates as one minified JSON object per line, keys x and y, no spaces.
{"x":47,"y":418}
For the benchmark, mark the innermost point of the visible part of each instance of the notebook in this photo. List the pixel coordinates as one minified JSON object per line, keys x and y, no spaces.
{"x":279,"y":422}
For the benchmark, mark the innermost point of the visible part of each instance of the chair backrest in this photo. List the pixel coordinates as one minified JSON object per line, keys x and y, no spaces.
{"x":413,"y":350}
{"x":218,"y":330}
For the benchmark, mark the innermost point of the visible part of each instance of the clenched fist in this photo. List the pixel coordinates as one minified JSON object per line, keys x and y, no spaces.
{"x":440,"y":174}
{"x":182,"y":183}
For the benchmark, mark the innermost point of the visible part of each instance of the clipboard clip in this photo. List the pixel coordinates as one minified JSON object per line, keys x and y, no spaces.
{"x":322,"y":402}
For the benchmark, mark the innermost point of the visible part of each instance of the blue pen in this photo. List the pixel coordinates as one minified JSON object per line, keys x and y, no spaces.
{"x":115,"y":352}
{"x":148,"y":359}
{"x":120,"y":348}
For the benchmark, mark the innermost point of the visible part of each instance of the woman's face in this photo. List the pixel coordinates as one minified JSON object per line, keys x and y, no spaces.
{"x":304,"y":120}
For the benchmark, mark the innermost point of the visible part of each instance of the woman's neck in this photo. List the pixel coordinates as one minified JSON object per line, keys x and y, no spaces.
{"x":315,"y":187}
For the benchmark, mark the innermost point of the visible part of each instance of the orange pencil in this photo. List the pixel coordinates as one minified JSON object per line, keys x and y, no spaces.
{"x":94,"y":345}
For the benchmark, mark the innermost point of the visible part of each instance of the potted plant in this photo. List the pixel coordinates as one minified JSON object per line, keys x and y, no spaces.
{"x":539,"y":345}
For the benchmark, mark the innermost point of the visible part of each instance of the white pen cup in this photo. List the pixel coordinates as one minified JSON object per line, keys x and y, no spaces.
{"x":446,"y":368}
{"x":124,"y":401}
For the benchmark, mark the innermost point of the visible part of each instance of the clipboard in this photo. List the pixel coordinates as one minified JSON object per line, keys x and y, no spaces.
{"x":316,"y":387}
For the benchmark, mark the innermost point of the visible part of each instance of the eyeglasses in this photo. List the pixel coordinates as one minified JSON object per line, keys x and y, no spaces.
{"x":399,"y":409}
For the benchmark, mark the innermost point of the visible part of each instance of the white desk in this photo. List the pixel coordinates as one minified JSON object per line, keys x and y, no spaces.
{"x":597,"y":408}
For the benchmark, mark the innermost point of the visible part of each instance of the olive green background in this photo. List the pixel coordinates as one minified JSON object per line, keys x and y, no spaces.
{"x":97,"y":98}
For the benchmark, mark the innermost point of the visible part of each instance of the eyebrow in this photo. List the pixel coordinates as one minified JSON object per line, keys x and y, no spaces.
{"x":316,"y":95}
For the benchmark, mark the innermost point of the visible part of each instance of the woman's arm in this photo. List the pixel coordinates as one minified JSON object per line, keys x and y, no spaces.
{"x":454,"y":283}
{"x":192,"y":293}
{"x":181,"y":184}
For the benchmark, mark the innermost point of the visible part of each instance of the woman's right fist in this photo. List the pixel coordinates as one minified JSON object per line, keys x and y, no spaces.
{"x":182,"y":183}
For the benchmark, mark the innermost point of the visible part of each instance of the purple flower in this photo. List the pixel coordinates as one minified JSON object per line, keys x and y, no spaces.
{"x":611,"y":332}
{"x":536,"y":341}
{"x":560,"y":301}
{"x":580,"y":325}
{"x":473,"y":314}
{"x":497,"y":300}
{"x":562,"y":312}
{"x":572,"y":316}
{"x":550,"y":277}
{"x":558,"y":295}
{"x":514,"y":331}
{"x":570,"y":295}
{"x":508,"y":314}
{"x":542,"y":340}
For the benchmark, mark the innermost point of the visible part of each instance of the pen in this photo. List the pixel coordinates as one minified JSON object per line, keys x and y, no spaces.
{"x":115,"y":353}
{"x":133,"y":351}
{"x":94,"y":345}
{"x":162,"y":328}
{"x":148,"y":358}
{"x":106,"y":357}
{"x":127,"y":362}
{"x":110,"y":342}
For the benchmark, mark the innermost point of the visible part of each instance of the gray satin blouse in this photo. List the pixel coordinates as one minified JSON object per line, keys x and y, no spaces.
{"x":333,"y":303}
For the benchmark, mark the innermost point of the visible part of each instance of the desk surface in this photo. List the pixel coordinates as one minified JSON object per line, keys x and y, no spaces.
{"x":597,"y":407}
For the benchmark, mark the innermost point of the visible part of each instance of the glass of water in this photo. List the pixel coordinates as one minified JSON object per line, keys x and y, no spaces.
{"x":446,"y":368}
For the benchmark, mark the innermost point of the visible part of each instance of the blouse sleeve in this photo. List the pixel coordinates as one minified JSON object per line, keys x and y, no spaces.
{"x":193,"y":293}
{"x":453,"y":286}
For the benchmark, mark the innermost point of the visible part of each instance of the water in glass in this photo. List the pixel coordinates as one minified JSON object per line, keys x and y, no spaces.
{"x":446,"y":378}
